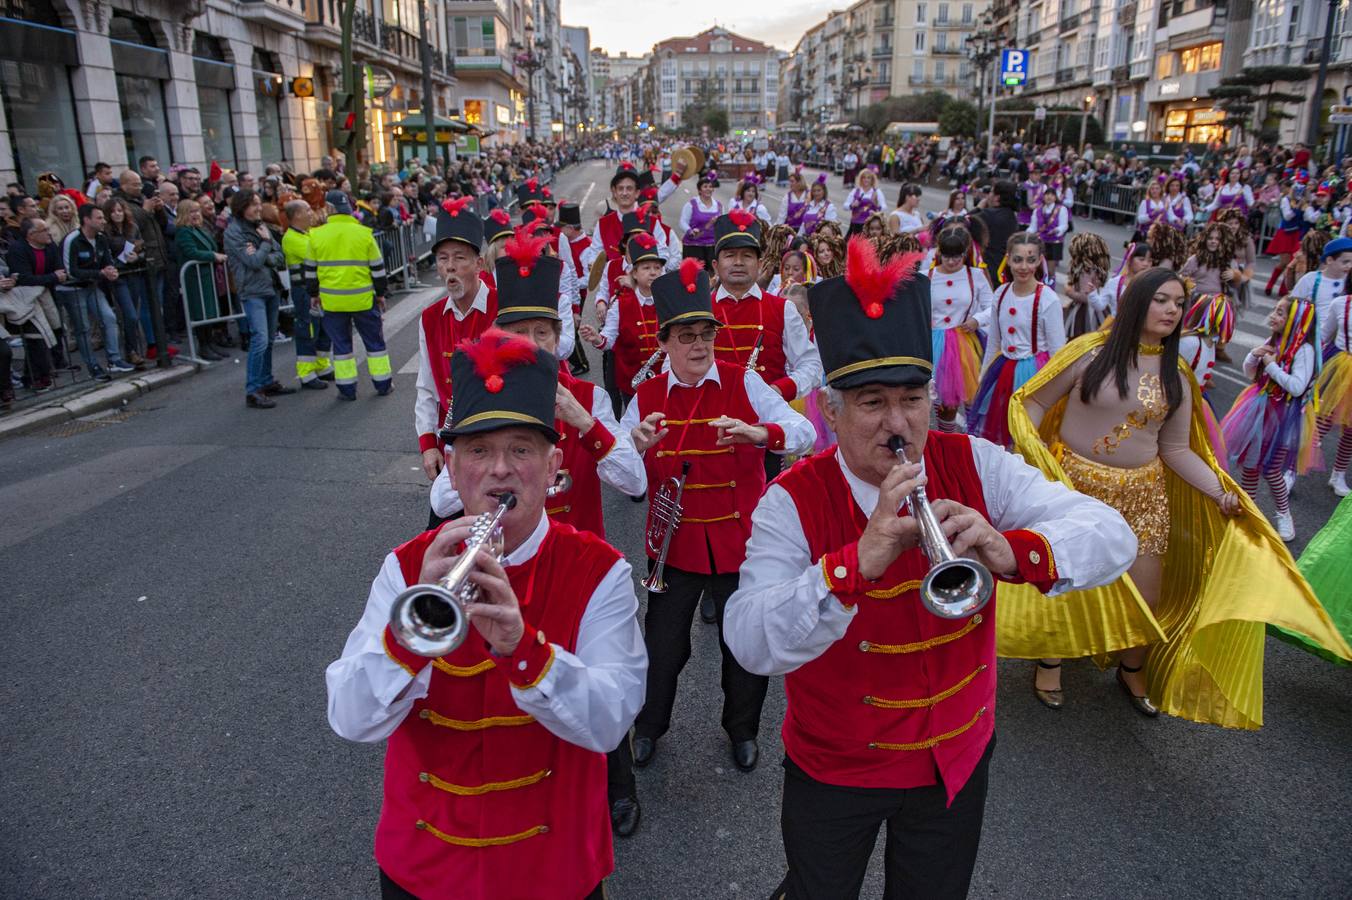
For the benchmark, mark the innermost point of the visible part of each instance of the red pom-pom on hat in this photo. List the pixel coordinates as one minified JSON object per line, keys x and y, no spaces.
{"x":689,"y":272}
{"x":873,"y":282}
{"x":500,"y":216}
{"x":532,"y":183}
{"x":741,"y":218}
{"x":524,"y":249}
{"x":495,"y":353}
{"x":454,"y":206}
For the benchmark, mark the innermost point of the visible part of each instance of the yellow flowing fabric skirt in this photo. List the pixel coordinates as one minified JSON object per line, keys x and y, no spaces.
{"x":1224,"y":580}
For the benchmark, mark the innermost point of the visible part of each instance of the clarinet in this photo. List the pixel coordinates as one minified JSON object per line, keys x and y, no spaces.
{"x":646,"y":370}
{"x":755,"y":353}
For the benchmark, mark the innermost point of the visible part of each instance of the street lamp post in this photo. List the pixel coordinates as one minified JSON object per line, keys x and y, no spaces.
{"x":859,"y":73}
{"x":1089,"y":101}
{"x":531,"y":61}
{"x":982,"y":49}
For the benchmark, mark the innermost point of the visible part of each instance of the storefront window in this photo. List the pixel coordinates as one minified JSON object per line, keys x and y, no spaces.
{"x":41,"y":117}
{"x":1165,"y":66}
{"x":218,"y":134}
{"x":1201,"y":59}
{"x":1194,"y":126}
{"x":268,"y":83}
{"x":144,"y":125}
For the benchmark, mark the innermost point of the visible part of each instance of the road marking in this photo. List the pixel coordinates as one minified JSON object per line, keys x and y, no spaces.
{"x":582,"y":204}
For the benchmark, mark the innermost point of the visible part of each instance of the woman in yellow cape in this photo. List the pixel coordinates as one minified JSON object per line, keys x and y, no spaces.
{"x":1223,"y":577}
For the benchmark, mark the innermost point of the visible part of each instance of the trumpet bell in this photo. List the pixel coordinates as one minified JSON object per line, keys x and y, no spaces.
{"x":957,"y":588}
{"x":428,"y":620}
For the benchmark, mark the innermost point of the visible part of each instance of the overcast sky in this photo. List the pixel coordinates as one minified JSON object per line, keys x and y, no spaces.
{"x":615,"y":26}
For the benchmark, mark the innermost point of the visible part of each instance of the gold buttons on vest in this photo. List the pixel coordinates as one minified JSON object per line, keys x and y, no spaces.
{"x":423,"y":777}
{"x":977,"y":620}
{"x":540,"y":638}
{"x":596,"y":445}
{"x":424,"y":713}
{"x":840,"y":571}
{"x":421,"y":825}
{"x":864,"y":646}
{"x":544,"y":829}
{"x":732,"y":484}
{"x":737,"y":515}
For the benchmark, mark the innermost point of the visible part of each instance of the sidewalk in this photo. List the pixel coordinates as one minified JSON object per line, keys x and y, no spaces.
{"x":86,"y":397}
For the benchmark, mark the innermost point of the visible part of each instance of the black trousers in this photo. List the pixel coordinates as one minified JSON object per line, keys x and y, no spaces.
{"x":704,"y":254}
{"x":774,"y":464}
{"x":620,"y":782}
{"x":610,"y":384}
{"x":390,"y":890}
{"x":667,"y":636}
{"x":829,"y":833}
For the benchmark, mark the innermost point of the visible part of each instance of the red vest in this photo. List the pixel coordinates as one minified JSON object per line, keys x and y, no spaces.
{"x":724,"y":483}
{"x":904,"y":694}
{"x":614,"y":269}
{"x":481,"y":800}
{"x":612,"y":235}
{"x":636,"y":341}
{"x":488,"y":278}
{"x":743,"y":321}
{"x":580,"y":506}
{"x":577,"y":247}
{"x":442,"y":331}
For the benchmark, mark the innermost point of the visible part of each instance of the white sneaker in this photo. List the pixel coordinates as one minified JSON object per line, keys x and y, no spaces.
{"x":1338,"y":481}
{"x":1286,"y":527}
{"x":1290,"y":478}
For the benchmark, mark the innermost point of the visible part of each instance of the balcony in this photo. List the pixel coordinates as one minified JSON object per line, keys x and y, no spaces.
{"x":1126,"y":14}
{"x":1070,"y":23}
{"x":950,"y":23}
{"x":946,"y":50}
{"x":882,"y":52}
{"x":372,"y":40}
{"x":1064,"y":76}
{"x":1121,"y":74}
{"x":282,"y":15}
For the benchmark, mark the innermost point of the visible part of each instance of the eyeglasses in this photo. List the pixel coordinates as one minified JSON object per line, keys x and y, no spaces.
{"x":707,"y":336}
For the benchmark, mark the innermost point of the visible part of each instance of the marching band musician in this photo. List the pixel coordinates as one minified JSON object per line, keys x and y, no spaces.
{"x":464,"y":313}
{"x":594,"y":447}
{"x":890,"y":706}
{"x":535,"y":221}
{"x":630,"y":326}
{"x":495,"y":782}
{"x":787,"y":361}
{"x":609,"y":234}
{"x":719,"y":418}
{"x":572,"y":242}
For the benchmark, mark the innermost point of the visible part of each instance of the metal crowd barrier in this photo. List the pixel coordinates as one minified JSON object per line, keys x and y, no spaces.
{"x":215,"y":312}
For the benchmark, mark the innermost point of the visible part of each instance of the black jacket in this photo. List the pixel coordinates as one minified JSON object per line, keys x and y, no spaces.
{"x":83,"y":259}
{"x":1000,"y":224}
{"x":23,"y":263}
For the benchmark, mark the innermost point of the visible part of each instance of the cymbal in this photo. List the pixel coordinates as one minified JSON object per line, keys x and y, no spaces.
{"x":693,"y":157}
{"x":598,"y":270}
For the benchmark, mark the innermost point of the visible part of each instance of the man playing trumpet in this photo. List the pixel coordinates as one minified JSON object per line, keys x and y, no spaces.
{"x":721,"y":419}
{"x":495,"y":774}
{"x":891,"y":707}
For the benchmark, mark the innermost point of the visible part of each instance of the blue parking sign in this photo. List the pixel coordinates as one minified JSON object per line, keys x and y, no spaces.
{"x":1013,"y":67}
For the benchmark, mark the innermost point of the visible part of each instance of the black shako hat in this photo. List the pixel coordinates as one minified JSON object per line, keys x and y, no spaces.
{"x":528,"y":281}
{"x":626,"y":170}
{"x":738,"y":228}
{"x":457,"y":221}
{"x":684,"y":296}
{"x":570,"y":214}
{"x":642,"y":247}
{"x":873,"y":323}
{"x":502,"y":381}
{"x":528,"y":192}
{"x":499,"y":224}
{"x":637,"y":222}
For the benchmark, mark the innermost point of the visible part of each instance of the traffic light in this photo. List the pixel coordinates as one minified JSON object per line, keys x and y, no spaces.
{"x":343,"y":122}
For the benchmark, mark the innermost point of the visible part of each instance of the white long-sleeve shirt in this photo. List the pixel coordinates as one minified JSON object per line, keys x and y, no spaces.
{"x":1151,"y":211}
{"x":622,"y":468}
{"x":782,"y":615}
{"x":1333,"y":323}
{"x":802,"y":362}
{"x":1319,"y":288}
{"x":610,"y":328}
{"x":1178,"y":211}
{"x":426,"y":411}
{"x":952,"y":301}
{"x":1228,"y":192}
{"x":856,"y":198}
{"x":588,"y":698}
{"x":1011,"y":330}
{"x":714,"y":207}
{"x":1295,"y":382}
{"x":1104,"y":300}
{"x":569,"y":291}
{"x":596,"y":248}
{"x":1054,"y":217}
{"x":757,"y":209}
{"x":799,"y":433}
{"x":1199,"y":354}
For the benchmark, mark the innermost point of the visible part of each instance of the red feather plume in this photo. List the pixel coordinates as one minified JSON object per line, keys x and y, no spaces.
{"x":741,"y":218}
{"x":499,"y":215}
{"x":494,"y":353}
{"x":532,"y":184}
{"x":648,"y":193}
{"x":689,"y":272}
{"x":875,"y":283}
{"x":645,"y":240}
{"x":538,"y":210}
{"x":547,"y":193}
{"x":524,"y":249}
{"x":454,"y":206}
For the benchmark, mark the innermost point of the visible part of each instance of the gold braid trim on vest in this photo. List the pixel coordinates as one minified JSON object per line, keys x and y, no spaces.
{"x":931,"y":742}
{"x":928,"y":644}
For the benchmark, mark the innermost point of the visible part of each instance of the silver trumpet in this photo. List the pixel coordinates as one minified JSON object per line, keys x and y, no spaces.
{"x":954,"y":587}
{"x":429,"y":619}
{"x":663,"y":521}
{"x":563,"y":483}
{"x":646,"y":370}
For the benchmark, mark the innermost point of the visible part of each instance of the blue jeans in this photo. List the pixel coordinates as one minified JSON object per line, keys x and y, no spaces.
{"x":129,"y":293}
{"x":83,"y":305}
{"x":261,"y":313}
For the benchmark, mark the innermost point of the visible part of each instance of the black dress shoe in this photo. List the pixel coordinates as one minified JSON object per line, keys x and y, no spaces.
{"x":745,"y":754}
{"x":314,"y":384}
{"x":624,"y":816}
{"x":644,"y":750}
{"x":277,"y":388}
{"x":259,"y":400}
{"x":707,"y":612}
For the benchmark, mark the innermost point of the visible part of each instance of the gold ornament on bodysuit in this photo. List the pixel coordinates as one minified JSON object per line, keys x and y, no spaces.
{"x":1153,"y":408}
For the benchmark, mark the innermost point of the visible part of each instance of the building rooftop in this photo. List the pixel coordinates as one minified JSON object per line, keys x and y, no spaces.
{"x":703,"y":42}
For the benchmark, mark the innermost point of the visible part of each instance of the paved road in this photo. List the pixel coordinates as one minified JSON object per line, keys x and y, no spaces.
{"x":177,"y":581}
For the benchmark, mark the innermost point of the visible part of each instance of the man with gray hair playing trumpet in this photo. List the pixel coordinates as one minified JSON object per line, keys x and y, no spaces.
{"x":890,"y":675}
{"x":495,"y":770}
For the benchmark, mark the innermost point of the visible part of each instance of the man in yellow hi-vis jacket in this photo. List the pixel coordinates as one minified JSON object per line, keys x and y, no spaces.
{"x":345,"y":264}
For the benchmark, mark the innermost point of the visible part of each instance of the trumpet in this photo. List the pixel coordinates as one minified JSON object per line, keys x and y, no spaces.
{"x":429,"y":619}
{"x":954,"y":587}
{"x":662,"y":523}
{"x":646,"y":370}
